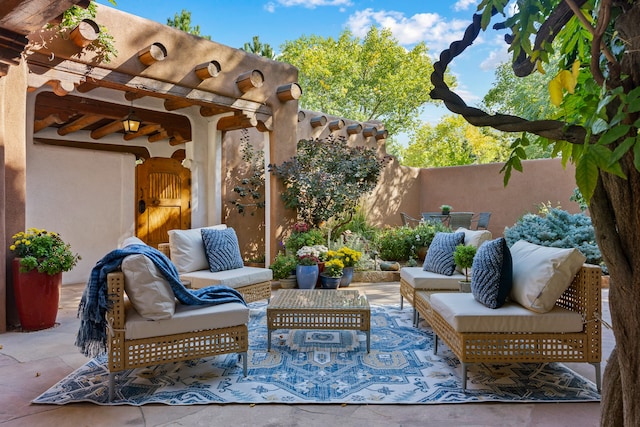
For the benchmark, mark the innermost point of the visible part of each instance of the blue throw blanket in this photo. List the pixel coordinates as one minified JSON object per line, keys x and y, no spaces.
{"x":92,"y":334}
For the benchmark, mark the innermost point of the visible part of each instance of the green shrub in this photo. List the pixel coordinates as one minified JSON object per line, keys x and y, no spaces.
{"x":298,"y":239}
{"x":559,"y":229}
{"x":394,"y":243}
{"x":283,"y":265}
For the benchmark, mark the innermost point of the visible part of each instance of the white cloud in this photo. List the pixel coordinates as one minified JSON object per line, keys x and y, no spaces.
{"x":464,"y":4}
{"x":495,"y":58}
{"x":270,"y":7}
{"x":312,"y":4}
{"x":433,"y":29}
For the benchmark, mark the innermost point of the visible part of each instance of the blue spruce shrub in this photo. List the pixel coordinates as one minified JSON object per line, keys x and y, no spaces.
{"x":558,"y":229}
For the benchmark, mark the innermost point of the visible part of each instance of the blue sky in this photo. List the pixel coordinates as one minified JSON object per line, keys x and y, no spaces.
{"x":435,"y":22}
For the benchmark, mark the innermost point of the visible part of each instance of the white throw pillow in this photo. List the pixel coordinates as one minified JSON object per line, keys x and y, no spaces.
{"x":187,"y":249}
{"x":475,"y":237}
{"x":541,"y":274}
{"x":148,"y":290}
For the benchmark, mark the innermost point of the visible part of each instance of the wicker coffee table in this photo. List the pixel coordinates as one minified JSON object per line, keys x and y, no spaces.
{"x":319,"y":309}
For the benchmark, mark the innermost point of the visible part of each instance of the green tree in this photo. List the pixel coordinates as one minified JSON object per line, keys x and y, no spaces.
{"x":182,"y":21}
{"x":259,"y":49}
{"x":597,"y":92}
{"x":453,"y":141}
{"x":370,"y":79}
{"x":327,"y":178}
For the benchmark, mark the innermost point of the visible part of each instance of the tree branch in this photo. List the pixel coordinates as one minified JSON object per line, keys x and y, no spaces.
{"x":551,"y":129}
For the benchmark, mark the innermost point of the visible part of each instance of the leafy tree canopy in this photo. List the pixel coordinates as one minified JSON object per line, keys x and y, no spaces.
{"x":327,"y":178}
{"x":370,"y":79}
{"x":453,"y":141}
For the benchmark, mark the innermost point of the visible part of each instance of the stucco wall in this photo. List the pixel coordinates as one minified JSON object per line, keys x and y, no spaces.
{"x":480,"y":189}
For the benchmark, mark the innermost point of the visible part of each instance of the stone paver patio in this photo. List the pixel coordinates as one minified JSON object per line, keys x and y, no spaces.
{"x":31,"y":362}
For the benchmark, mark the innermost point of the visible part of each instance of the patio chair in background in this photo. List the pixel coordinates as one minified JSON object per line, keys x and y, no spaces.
{"x":433,"y":217}
{"x":460,"y":219}
{"x":409,"y":220}
{"x":482,"y":220}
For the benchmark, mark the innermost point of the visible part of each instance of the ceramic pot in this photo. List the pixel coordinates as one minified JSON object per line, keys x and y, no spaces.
{"x":307,"y":276}
{"x":328,"y":282}
{"x":464,"y":286}
{"x":288,"y":282}
{"x":37,"y":297}
{"x":347,"y":277}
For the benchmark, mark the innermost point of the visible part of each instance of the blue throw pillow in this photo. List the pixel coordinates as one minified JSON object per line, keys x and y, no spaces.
{"x":222,"y":249}
{"x":439,"y":257}
{"x":492,"y":273}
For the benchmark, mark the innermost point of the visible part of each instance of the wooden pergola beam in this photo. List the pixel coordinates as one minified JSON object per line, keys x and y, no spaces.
{"x":107,"y":129}
{"x":79,"y":124}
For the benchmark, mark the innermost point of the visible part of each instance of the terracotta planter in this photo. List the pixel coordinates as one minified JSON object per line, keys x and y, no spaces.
{"x":37,"y":297}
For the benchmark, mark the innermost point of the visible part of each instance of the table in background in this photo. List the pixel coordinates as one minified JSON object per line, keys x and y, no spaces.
{"x":319,"y":309}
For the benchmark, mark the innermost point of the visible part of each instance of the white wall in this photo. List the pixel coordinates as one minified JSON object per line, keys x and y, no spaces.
{"x":84,"y":195}
{"x":88,"y":196}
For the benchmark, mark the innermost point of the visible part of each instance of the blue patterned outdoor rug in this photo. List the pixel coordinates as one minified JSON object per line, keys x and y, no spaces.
{"x":328,"y":367}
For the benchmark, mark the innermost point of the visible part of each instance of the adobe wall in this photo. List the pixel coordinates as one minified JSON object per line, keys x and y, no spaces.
{"x":480,"y":188}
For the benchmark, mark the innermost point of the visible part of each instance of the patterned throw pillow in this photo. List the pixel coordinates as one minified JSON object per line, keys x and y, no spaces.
{"x":439,"y":257}
{"x":222,"y":249}
{"x":492,"y":273}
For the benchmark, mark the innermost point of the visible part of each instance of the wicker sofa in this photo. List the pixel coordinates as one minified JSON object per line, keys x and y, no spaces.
{"x":186,"y":250}
{"x":415,"y":280}
{"x":191,"y":332}
{"x":570,"y":332}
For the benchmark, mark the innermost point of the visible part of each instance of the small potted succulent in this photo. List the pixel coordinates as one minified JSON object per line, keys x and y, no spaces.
{"x":446,"y":209}
{"x":463,"y":257}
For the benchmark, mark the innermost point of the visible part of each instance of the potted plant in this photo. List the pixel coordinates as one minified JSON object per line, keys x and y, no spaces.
{"x":284,"y":267}
{"x":41,"y":258}
{"x":330,"y":277}
{"x":307,"y":271}
{"x":463,"y":257}
{"x":446,"y":209}
{"x":302,"y":235}
{"x":349,"y":258}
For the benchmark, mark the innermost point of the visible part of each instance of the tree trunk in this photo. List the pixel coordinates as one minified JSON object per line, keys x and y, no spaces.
{"x":614,"y":211}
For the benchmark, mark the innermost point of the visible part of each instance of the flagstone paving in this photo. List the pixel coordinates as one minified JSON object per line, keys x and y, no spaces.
{"x":32,"y":362}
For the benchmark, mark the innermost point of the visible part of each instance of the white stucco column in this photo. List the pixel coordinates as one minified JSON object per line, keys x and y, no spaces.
{"x":213,"y":175}
{"x":267,"y":196}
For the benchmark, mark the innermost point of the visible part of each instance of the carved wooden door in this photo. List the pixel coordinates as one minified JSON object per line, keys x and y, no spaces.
{"x":163,"y":199}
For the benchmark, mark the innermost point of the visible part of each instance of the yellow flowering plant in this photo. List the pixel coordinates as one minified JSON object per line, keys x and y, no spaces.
{"x":44,"y":251}
{"x":333,"y":268}
{"x":349,"y":257}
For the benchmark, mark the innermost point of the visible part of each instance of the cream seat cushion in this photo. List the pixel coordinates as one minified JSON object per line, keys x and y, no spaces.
{"x":187,"y":249}
{"x":465,"y":314}
{"x":235,"y":278}
{"x":421,"y":279}
{"x":187,"y":318}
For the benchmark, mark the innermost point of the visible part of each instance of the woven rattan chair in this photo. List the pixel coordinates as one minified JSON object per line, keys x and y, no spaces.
{"x":126,"y":353}
{"x":251,"y":292}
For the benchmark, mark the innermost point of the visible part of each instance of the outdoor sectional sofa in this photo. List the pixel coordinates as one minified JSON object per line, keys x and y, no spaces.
{"x":187,"y":251}
{"x":549,"y":312}
{"x":418,"y":280}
